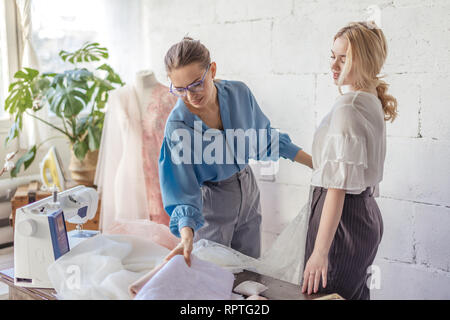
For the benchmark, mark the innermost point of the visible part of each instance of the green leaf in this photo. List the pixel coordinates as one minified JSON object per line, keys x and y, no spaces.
{"x":12,"y":85}
{"x":41,"y":85}
{"x":89,"y":45}
{"x":49,"y":74}
{"x":73,"y":103}
{"x":67,"y":100}
{"x":80,"y":76}
{"x":89,"y":52}
{"x":94,"y":136}
{"x":26,"y":160}
{"x":32,"y":73}
{"x":29,"y":159}
{"x":58,"y":80}
{"x":20,"y":75}
{"x":81,"y":125}
{"x":112,"y":76}
{"x":23,"y":91}
{"x":13,"y":133}
{"x":80,"y":148}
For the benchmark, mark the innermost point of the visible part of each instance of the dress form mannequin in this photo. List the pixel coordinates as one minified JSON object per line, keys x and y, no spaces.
{"x":145,"y":82}
{"x":154,"y":103}
{"x":126,"y":177}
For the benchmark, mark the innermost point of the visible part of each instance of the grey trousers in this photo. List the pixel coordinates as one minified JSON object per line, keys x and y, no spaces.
{"x":354,"y":246}
{"x":232,"y":213}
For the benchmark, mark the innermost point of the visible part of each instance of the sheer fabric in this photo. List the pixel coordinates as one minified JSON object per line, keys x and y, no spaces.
{"x":121,"y":175}
{"x":108,"y":266}
{"x":349,"y":145}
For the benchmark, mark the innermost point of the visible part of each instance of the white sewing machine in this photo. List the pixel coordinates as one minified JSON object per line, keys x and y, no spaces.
{"x":40,"y":235}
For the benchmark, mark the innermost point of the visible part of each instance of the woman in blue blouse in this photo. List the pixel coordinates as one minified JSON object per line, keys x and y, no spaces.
{"x":207,"y":186}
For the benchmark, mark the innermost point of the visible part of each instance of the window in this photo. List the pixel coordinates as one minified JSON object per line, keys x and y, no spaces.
{"x":4,"y":78}
{"x":65,"y":25}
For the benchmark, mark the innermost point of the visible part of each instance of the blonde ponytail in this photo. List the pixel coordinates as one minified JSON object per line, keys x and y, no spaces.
{"x":388,"y":102}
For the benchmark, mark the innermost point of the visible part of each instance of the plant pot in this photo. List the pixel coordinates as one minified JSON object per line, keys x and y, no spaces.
{"x":83,"y":172}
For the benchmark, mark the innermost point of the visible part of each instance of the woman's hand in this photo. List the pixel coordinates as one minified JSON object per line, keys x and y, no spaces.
{"x":316,"y":267}
{"x":185,"y":246}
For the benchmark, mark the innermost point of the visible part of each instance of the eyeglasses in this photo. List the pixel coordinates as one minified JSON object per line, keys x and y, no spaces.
{"x":193,"y":87}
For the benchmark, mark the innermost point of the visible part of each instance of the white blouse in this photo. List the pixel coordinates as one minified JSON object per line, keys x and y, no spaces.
{"x":349,"y":146}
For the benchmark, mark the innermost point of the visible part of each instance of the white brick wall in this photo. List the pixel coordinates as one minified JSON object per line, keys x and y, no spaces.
{"x":281,"y":50}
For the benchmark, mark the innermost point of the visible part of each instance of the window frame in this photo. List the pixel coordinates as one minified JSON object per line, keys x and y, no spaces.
{"x":10,"y":55}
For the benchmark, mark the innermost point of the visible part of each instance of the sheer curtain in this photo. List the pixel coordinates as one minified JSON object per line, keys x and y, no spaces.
{"x":33,"y":131}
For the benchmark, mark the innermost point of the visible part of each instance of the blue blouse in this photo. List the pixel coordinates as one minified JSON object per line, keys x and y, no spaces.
{"x":190,"y":146}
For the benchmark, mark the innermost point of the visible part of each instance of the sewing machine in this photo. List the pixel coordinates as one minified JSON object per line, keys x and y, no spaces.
{"x":40,"y":235}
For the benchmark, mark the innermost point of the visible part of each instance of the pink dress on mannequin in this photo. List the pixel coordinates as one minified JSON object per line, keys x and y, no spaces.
{"x":127,"y":173}
{"x":153,"y":121}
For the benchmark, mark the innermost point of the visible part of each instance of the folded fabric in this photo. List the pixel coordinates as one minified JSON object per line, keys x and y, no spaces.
{"x":250,"y":288}
{"x":177,"y":281}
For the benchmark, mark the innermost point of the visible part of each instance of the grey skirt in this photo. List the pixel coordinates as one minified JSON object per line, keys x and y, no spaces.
{"x":232,"y":213}
{"x":354,"y":246}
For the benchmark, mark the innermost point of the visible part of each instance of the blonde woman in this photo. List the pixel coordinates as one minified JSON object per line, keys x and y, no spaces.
{"x":349,"y":147}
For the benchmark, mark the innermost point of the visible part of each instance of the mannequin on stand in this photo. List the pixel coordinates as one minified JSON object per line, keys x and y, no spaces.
{"x":155,"y":104}
{"x":127,"y":170}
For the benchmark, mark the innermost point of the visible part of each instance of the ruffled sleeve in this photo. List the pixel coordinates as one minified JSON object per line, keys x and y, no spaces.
{"x":343,"y":157}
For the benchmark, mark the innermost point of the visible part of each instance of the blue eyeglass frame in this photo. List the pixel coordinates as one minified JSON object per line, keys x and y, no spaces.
{"x":185,"y":89}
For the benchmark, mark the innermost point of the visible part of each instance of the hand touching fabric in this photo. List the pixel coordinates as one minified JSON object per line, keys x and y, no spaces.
{"x":135,"y":287}
{"x":185,"y":246}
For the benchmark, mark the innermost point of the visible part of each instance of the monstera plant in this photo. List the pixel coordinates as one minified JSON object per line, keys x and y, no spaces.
{"x":67,"y":95}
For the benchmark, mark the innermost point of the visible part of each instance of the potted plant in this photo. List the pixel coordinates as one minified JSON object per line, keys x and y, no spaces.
{"x":67,"y":94}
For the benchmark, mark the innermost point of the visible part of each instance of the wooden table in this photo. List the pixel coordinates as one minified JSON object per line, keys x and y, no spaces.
{"x":281,"y":290}
{"x":277,"y":289}
{"x":22,"y":293}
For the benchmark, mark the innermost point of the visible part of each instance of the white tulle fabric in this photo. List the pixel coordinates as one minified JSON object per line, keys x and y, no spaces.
{"x":349,"y":145}
{"x":106,"y":266}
